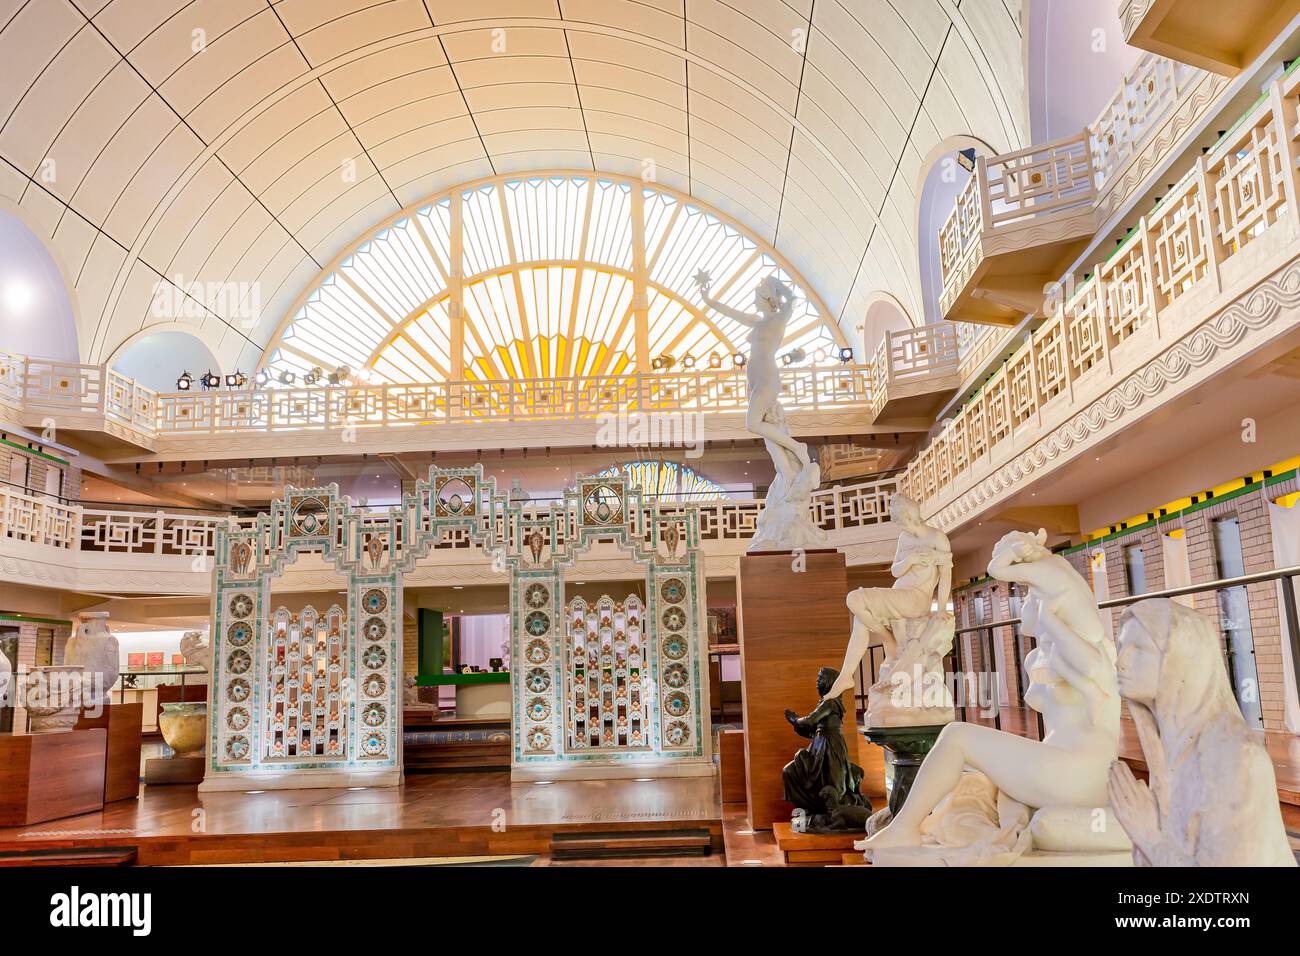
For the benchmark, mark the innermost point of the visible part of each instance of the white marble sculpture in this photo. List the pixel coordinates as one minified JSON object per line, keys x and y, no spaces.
{"x":784,"y":523}
{"x":1212,"y":799}
{"x":53,"y":697}
{"x":914,"y":623}
{"x":196,"y":649}
{"x":97,"y":651}
{"x":1056,"y":787}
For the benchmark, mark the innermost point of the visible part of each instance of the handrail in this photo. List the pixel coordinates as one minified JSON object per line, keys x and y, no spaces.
{"x":1233,"y":196}
{"x":46,"y":386}
{"x":38,"y":520}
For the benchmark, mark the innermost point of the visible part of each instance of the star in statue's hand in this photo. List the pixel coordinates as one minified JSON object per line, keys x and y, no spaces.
{"x":702,"y":279}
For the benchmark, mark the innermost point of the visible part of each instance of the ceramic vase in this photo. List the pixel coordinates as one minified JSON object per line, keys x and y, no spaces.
{"x":96,"y":650}
{"x":184,"y":726}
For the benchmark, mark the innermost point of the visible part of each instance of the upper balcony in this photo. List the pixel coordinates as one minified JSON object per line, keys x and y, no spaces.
{"x":1023,"y":218}
{"x":913,"y":372}
{"x":1206,"y":280}
{"x":46,"y":542}
{"x":1205,"y":33}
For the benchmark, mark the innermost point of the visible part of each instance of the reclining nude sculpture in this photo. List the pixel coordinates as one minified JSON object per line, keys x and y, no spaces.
{"x":1212,"y":799}
{"x":915,"y":637}
{"x":1050,"y":795}
{"x":784,"y":523}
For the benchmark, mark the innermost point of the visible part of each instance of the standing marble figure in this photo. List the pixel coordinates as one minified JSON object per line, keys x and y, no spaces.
{"x":784,"y":522}
{"x":1212,"y":800}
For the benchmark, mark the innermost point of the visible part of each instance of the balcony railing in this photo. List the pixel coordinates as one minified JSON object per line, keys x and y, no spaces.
{"x":41,"y":387}
{"x":1073,"y":174}
{"x":45,"y":521}
{"x":1241,"y":191}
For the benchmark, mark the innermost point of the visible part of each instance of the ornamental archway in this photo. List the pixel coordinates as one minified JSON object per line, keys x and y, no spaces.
{"x":312,"y":696}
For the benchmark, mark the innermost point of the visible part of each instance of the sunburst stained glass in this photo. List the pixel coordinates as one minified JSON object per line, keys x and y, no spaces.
{"x":551,"y":274}
{"x":667,"y":480}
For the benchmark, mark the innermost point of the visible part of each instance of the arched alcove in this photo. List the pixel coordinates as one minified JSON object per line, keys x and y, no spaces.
{"x":1076,"y":59}
{"x":157,"y":359}
{"x":36,"y":311}
{"x":884,"y":313}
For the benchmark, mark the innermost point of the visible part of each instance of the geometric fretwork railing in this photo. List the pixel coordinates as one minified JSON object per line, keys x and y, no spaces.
{"x":37,"y":387}
{"x":1239,"y":196}
{"x":37,"y":519}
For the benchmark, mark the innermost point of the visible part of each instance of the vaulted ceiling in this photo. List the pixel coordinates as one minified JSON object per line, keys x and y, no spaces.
{"x":247,"y":142}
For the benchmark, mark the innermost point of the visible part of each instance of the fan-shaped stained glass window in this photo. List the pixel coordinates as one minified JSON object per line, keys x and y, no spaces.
{"x":667,"y":480}
{"x":539,"y":277}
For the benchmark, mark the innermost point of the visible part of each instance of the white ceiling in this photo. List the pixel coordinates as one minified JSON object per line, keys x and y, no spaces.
{"x":303,"y":122}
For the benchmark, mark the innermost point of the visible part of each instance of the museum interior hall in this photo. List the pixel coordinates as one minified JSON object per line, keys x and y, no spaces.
{"x":649,"y":433}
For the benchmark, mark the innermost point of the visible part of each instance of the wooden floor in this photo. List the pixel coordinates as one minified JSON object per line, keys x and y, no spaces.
{"x":467,"y":815}
{"x":454,"y":814}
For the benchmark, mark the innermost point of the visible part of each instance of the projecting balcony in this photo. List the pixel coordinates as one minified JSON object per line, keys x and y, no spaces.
{"x":1021,"y":219}
{"x":1208,"y":34}
{"x":914,"y":374}
{"x":1205,"y":281}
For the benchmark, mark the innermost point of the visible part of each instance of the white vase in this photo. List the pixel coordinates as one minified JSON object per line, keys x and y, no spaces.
{"x":96,"y":650}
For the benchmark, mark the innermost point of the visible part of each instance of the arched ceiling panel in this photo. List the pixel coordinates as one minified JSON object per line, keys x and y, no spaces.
{"x":249,"y":141}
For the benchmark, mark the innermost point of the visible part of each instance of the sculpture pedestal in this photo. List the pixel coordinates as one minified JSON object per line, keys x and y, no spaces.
{"x":906,"y":747}
{"x":187,"y":768}
{"x":122,"y":754}
{"x":791,"y":623}
{"x":912,"y":690}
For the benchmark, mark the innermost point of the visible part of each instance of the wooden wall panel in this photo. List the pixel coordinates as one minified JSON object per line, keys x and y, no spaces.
{"x":791,"y":623}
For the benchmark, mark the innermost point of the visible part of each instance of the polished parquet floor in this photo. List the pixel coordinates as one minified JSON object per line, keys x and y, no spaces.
{"x":452,"y":818}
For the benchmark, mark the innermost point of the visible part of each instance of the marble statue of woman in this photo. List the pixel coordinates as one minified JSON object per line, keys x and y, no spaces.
{"x":1063,"y":777}
{"x":1212,"y":799}
{"x":784,"y":523}
{"x":922,"y":571}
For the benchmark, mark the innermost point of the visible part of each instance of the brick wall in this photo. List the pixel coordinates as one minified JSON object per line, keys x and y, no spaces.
{"x":30,"y":472}
{"x":1251,"y":511}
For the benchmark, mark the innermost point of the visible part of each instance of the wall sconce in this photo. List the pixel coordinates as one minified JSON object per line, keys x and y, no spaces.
{"x":715,"y":360}
{"x":287,"y":377}
{"x":210,"y":380}
{"x":738,"y":360}
{"x":185,"y":383}
{"x":846,"y":355}
{"x":262,"y":378}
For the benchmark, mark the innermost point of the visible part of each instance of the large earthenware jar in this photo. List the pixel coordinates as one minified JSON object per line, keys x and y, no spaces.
{"x":52,"y":697}
{"x":184,"y":726}
{"x":96,"y":650}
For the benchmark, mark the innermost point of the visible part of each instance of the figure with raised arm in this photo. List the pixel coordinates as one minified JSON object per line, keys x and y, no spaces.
{"x":1062,"y":779}
{"x":784,"y":523}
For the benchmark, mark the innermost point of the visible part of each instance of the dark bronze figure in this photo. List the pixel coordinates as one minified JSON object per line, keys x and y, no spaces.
{"x":821,"y":779}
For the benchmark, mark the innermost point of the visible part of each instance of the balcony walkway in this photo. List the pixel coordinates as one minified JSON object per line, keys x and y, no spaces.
{"x":912,"y":374}
{"x":46,"y":543}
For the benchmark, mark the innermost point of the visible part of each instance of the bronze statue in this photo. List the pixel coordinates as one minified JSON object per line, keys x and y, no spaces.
{"x":821,"y":780}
